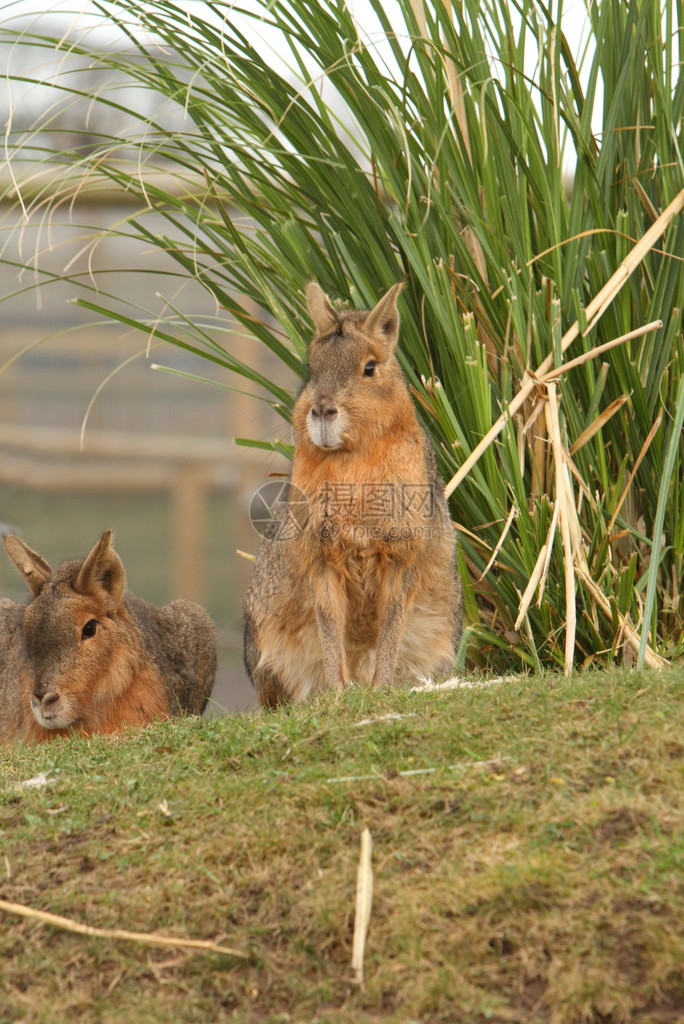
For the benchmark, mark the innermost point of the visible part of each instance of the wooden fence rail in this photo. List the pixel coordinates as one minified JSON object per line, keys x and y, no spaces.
{"x":189,"y":469}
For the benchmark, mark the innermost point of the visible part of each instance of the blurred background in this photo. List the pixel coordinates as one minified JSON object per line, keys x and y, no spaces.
{"x":91,"y":435}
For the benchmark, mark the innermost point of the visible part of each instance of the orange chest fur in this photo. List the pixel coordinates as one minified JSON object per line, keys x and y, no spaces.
{"x":375,"y":483}
{"x":363,"y":511}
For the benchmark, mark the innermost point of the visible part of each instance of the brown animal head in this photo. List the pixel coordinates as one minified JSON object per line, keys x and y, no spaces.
{"x":80,"y":643}
{"x":355,"y":390}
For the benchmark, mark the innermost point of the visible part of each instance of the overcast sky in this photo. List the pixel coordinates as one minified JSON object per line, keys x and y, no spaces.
{"x":80,"y":16}
{"x":83,"y":14}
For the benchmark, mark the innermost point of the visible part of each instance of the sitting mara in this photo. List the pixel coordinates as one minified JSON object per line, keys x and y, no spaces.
{"x":355,"y":579}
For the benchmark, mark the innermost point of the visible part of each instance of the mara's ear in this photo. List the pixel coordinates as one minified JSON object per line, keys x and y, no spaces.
{"x":383,"y":321}
{"x":102,"y":570}
{"x":32,"y":567}
{"x":322,"y":313}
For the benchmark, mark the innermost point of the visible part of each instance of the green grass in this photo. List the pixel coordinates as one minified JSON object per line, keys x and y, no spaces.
{"x":532,"y":874}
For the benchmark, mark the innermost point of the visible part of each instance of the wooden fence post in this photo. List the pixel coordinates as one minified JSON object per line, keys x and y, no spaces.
{"x":189,"y":531}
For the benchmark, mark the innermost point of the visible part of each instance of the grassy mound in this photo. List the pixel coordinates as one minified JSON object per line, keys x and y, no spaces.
{"x":527,"y":851}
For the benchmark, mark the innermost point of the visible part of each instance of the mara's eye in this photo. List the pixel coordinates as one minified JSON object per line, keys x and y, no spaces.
{"x":369,"y":368}
{"x":89,"y":629}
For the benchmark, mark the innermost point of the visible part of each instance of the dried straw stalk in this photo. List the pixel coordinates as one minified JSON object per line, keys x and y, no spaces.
{"x":566,"y":507}
{"x":364,"y":901}
{"x":145,"y":938}
{"x":594,"y":311}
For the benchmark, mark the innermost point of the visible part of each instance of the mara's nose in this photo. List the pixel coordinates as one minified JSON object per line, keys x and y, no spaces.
{"x":324,"y":410}
{"x":49,"y":700}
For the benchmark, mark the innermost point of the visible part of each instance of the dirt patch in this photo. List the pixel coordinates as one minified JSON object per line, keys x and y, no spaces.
{"x":622,"y":824}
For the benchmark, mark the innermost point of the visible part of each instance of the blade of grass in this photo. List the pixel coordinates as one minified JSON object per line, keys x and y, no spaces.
{"x":674,"y":444}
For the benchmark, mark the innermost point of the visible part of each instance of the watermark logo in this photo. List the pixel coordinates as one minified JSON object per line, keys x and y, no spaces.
{"x":279,"y":510}
{"x":377,"y":500}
